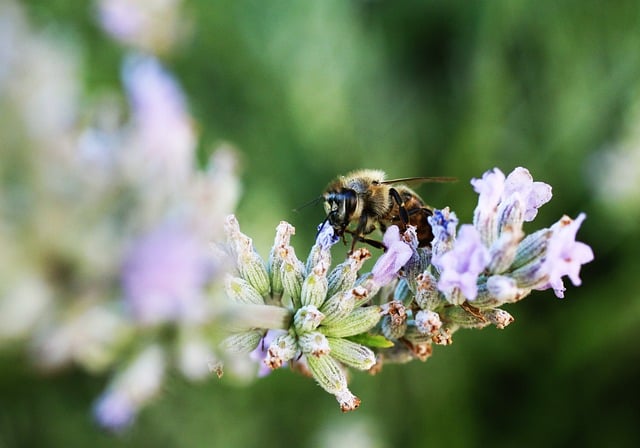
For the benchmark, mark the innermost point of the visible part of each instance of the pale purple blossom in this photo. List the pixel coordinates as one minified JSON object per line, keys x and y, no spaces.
{"x":460,"y":267}
{"x":133,"y":387}
{"x":326,"y":236}
{"x":533,"y":194}
{"x":114,"y":410}
{"x":490,"y":189}
{"x":123,"y":19}
{"x":163,"y":128}
{"x":443,"y":224}
{"x":152,"y":25}
{"x":565,"y":255}
{"x":397,"y":253}
{"x":164,"y":274}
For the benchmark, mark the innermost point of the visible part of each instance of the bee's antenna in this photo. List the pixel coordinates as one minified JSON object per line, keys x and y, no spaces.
{"x":311,"y":202}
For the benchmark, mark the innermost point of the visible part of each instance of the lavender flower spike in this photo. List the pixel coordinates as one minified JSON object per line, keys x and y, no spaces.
{"x":565,"y":255}
{"x":397,"y":254}
{"x":460,"y":267}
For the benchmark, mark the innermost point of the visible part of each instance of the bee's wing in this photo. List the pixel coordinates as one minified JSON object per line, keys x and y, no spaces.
{"x":420,"y":180}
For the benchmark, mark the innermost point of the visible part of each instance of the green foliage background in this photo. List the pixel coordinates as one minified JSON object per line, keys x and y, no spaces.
{"x":308,"y":90}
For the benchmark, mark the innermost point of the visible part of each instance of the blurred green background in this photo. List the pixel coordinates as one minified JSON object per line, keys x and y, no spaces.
{"x":309,"y":90}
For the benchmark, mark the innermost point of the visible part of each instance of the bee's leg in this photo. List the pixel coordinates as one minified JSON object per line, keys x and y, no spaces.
{"x":373,"y":243}
{"x":404,"y":215}
{"x":425,"y":233}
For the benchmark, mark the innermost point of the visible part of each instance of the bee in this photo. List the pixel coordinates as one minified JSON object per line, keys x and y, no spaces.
{"x":365,"y":198}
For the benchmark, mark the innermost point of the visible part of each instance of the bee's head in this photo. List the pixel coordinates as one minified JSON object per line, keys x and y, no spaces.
{"x":340,"y":207}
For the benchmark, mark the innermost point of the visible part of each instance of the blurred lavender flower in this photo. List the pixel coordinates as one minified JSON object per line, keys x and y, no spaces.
{"x":132,"y":388}
{"x":164,"y":275}
{"x":162,"y":132}
{"x":151,"y":25}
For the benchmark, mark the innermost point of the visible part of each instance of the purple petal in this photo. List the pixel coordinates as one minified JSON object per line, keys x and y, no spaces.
{"x":326,"y":236}
{"x":114,"y":411}
{"x":565,"y":255}
{"x":533,"y":194}
{"x":164,"y":274}
{"x":460,"y":267}
{"x":490,"y":189}
{"x":396,"y":256}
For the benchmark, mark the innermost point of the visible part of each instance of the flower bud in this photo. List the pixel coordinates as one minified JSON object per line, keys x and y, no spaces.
{"x":402,"y":293}
{"x":338,"y":306}
{"x":496,"y":290}
{"x":292,"y":274}
{"x":394,"y":322}
{"x":444,"y":336}
{"x":503,"y":251}
{"x":499,"y":318}
{"x":284,"y":231}
{"x":393,"y":329}
{"x":248,"y":262}
{"x":307,"y":318}
{"x":358,"y":321}
{"x":315,"y":286}
{"x":419,"y":344}
{"x":463,"y":318}
{"x":330,"y":376}
{"x":240,"y":291}
{"x":244,"y":342}
{"x":352,"y":354}
{"x":510,"y":214}
{"x":531,"y":248}
{"x":428,"y":322}
{"x":343,"y":276}
{"x":427,"y":294}
{"x":282,"y":349}
{"x":314,"y":344}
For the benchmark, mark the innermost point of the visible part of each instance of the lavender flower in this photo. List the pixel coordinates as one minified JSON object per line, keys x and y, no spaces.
{"x":164,"y":137}
{"x":534,"y":194}
{"x":443,"y":223}
{"x":459,"y":268}
{"x":490,"y":189}
{"x":137,"y":384}
{"x":164,"y":274}
{"x":396,"y":255}
{"x":114,"y":410}
{"x":565,"y":255}
{"x":152,"y":25}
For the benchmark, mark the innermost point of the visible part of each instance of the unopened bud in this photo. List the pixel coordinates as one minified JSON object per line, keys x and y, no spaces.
{"x":307,"y":318}
{"x":358,"y":321}
{"x":499,"y":318}
{"x":352,"y":354}
{"x":244,"y":342}
{"x":314,"y":344}
{"x":282,"y":349}
{"x":240,"y":291}
{"x":428,"y":322}
{"x":315,"y":286}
